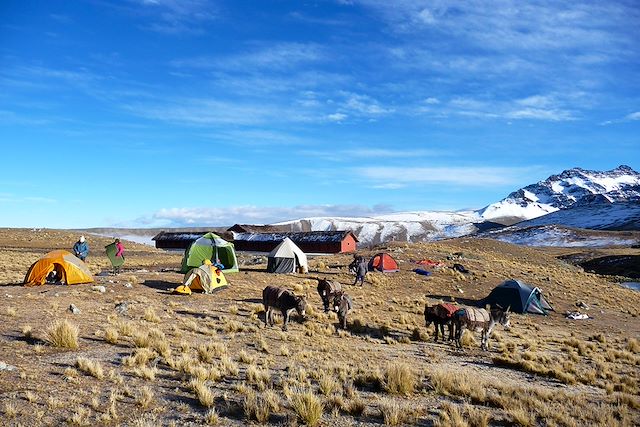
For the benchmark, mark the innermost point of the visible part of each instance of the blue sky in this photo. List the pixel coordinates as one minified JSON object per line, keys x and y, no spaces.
{"x":194,"y":112}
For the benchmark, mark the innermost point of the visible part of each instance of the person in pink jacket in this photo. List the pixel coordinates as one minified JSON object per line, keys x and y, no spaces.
{"x":120,"y":248}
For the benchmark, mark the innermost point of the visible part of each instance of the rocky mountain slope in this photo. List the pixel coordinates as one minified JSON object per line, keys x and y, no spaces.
{"x":572,"y":187}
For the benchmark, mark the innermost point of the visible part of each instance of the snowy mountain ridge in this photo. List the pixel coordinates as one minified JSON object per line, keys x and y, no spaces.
{"x":580,"y":198}
{"x":564,"y":190}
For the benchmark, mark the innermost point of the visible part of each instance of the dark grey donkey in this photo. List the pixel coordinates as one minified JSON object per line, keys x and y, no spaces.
{"x":327,"y":289}
{"x":342,"y":304}
{"x":274,"y":297}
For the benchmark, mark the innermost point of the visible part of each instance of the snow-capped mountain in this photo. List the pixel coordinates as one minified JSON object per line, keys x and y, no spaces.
{"x":575,"y":198}
{"x":571,"y":187}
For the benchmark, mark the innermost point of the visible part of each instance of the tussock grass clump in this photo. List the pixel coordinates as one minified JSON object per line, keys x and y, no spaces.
{"x":79,"y":418}
{"x":10,"y":410}
{"x":27,"y":332}
{"x":211,"y":417}
{"x":419,"y":335}
{"x":62,"y":334}
{"x":356,"y":407}
{"x":307,"y":406}
{"x":126,"y":328}
{"x":245,"y":357}
{"x":553,"y":371}
{"x":145,"y":372}
{"x":395,"y":413}
{"x":256,"y":408}
{"x":111,"y":335}
{"x":327,"y":384}
{"x":284,"y":350}
{"x":450,"y":416}
{"x":91,"y":367}
{"x":145,"y":398}
{"x":260,"y":377}
{"x":633,"y":345}
{"x":151,"y":316}
{"x":228,"y":366}
{"x":141,"y":340}
{"x":371,"y":379}
{"x":203,"y":393}
{"x":399,"y":379}
{"x":140,"y":357}
{"x":262,"y":346}
{"x":12,"y":311}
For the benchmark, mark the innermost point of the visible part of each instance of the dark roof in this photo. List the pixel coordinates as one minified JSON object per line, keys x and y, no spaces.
{"x":178,"y":235}
{"x":297,"y":237}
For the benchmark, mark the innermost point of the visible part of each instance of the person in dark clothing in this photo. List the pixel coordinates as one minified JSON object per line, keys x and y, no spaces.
{"x":360,"y":267}
{"x":81,"y":249}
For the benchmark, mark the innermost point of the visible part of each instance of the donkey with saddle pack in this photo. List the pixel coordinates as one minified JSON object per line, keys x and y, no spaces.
{"x":479,"y":319}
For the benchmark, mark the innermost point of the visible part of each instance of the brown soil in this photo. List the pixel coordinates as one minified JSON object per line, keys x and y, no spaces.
{"x":543,"y":371}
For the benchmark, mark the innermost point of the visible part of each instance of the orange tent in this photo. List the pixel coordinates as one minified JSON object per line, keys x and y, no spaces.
{"x":383,"y":262}
{"x":70,"y":269}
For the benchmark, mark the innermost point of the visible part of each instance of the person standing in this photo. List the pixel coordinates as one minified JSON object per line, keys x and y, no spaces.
{"x":81,"y":248}
{"x":360,"y":268}
{"x":119,"y":254}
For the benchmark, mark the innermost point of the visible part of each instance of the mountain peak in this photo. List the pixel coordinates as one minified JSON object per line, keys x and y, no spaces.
{"x":575,"y":185}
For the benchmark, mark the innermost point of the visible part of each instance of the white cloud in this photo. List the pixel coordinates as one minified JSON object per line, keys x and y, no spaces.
{"x":221,"y":216}
{"x":279,"y":56}
{"x":629,"y":117}
{"x":12,"y":198}
{"x":553,"y":115}
{"x":337,"y":117}
{"x":466,"y":176}
{"x":388,"y":153}
{"x":178,"y":16}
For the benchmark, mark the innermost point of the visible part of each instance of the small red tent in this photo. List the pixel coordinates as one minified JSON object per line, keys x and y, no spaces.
{"x":383,"y":262}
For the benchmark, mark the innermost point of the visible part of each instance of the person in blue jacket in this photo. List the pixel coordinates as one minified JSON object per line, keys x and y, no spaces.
{"x":81,"y":249}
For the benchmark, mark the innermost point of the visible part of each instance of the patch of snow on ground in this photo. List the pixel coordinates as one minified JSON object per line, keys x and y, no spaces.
{"x":556,"y":237}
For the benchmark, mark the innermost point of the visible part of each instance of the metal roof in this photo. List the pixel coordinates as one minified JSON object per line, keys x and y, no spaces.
{"x":297,"y":237}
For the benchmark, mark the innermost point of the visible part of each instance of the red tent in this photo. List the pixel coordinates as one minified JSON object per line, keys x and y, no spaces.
{"x":383,"y":262}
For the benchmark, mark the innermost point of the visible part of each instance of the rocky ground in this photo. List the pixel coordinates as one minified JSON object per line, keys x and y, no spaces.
{"x":164,"y":359}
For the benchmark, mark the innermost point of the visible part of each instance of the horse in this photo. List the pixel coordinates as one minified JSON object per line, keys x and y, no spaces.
{"x":327,"y":289}
{"x":479,"y":319}
{"x":342,"y":304}
{"x":440,"y":315}
{"x":284,"y":300}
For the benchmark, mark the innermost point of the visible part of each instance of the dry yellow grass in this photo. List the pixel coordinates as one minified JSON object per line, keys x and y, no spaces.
{"x":395,"y":413}
{"x":62,"y":334}
{"x":91,"y":367}
{"x":218,"y":340}
{"x":399,"y":379}
{"x":111,"y":335}
{"x":307,"y":406}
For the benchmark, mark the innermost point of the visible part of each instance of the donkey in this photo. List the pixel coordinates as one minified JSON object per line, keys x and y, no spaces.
{"x":440,"y":315}
{"x":479,"y":319}
{"x":327,"y":289}
{"x":274,"y":297}
{"x":342,"y":304}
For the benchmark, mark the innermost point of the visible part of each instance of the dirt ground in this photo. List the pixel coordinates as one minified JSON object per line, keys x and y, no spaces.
{"x":208,"y":359}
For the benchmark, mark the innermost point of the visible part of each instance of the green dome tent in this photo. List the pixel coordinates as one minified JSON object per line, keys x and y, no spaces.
{"x":211,"y":247}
